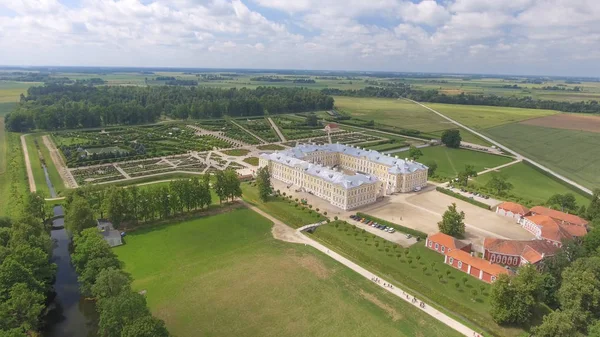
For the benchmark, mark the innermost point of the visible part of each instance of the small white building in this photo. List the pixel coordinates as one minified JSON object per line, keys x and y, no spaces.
{"x":109,"y":233}
{"x":512,"y":210}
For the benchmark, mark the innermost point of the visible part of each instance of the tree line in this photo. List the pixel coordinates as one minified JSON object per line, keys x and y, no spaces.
{"x":123,"y":312}
{"x":26,"y":272}
{"x":134,"y":205}
{"x":434,"y":96}
{"x":58,"y":106}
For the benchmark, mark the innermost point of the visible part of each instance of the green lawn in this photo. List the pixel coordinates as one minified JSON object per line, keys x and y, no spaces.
{"x":13,"y":177}
{"x":281,"y":209}
{"x":574,"y":154}
{"x":483,"y":117}
{"x":400,"y":113}
{"x":530,"y":184}
{"x":252,"y":161}
{"x":384,"y":260}
{"x":452,"y":161}
{"x":225,"y":275}
{"x":271,"y":147}
{"x":236,"y":152}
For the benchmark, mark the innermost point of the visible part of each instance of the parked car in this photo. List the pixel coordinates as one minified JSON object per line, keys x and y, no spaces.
{"x":408,"y":236}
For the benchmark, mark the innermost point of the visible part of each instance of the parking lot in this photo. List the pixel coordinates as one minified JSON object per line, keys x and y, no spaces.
{"x":397,"y":237}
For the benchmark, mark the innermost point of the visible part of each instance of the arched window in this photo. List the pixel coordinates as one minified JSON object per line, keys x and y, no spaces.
{"x":459,"y":264}
{"x":443,"y":249}
{"x":437,"y":246}
{"x":451,"y":260}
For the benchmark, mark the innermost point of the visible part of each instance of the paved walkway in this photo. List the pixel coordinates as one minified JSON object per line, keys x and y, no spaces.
{"x":250,"y":132}
{"x":276,"y":128}
{"x":283,"y":232}
{"x":499,"y":167}
{"x":32,"y":187}
{"x":123,"y":173}
{"x":516,"y":154}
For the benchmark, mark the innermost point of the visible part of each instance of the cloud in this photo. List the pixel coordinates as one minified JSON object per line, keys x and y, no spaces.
{"x":507,"y":36}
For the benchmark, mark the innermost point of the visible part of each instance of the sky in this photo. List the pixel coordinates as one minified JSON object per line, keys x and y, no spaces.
{"x":532,"y":37}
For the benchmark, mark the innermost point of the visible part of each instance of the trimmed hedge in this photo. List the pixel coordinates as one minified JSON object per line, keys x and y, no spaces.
{"x":397,"y":227}
{"x":463,"y":198}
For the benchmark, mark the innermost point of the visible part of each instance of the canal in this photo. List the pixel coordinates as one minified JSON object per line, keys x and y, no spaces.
{"x":69,"y":315}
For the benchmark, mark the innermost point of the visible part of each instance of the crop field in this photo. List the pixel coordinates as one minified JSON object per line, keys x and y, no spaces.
{"x":483,"y":117}
{"x":419,"y":270}
{"x":191,"y":271}
{"x":570,"y":121}
{"x":92,"y":147}
{"x":530,"y":184}
{"x":452,"y":161}
{"x":575,"y":154}
{"x":400,"y":114}
{"x":11,"y":91}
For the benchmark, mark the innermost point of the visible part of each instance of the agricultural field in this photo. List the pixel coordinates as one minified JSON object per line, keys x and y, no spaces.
{"x":390,"y":114}
{"x":260,"y":127}
{"x":575,"y":154}
{"x":419,"y":270}
{"x":483,"y":117}
{"x":530,"y":184}
{"x":452,"y":161}
{"x":93,"y":147}
{"x":10,"y":91}
{"x":190,"y":273}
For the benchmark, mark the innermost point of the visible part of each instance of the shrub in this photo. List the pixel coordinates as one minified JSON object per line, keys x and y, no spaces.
{"x":335,"y":218}
{"x":463,"y":198}
{"x":324,"y":213}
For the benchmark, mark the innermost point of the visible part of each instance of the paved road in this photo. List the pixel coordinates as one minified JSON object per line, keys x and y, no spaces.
{"x":283,"y":232}
{"x":516,"y":154}
{"x":276,"y":128}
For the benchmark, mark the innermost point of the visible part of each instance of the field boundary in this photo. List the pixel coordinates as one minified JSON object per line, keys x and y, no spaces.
{"x":507,"y":149}
{"x":551,"y":176}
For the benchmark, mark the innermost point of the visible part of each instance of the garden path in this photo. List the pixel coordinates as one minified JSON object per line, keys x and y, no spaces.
{"x":250,"y":132}
{"x":276,"y":128}
{"x":32,"y":187}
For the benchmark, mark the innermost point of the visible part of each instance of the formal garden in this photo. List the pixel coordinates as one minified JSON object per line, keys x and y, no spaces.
{"x":260,"y":127}
{"x":294,"y":127}
{"x":228,"y":129}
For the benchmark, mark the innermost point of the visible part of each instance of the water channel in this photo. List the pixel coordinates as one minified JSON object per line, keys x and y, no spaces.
{"x":70,"y":315}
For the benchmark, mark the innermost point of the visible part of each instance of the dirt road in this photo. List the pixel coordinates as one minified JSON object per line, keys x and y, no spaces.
{"x":32,"y":187}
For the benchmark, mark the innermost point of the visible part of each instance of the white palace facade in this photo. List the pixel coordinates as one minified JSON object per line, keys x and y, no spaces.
{"x":346,"y":176}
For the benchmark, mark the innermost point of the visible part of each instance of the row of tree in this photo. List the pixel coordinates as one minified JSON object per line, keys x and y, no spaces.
{"x":137,"y":205}
{"x":57,"y":106}
{"x":26,"y":273}
{"x":404,"y":90}
{"x":122,"y":312}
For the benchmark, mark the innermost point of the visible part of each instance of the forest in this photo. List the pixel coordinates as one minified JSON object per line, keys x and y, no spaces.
{"x":398,"y":90}
{"x":56,"y":106}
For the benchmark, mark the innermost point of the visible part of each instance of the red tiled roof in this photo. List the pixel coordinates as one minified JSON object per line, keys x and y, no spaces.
{"x":332,"y":125}
{"x":531,"y":250}
{"x":514,"y":207}
{"x":552,"y":230}
{"x":446,"y":240}
{"x":481,"y":264}
{"x":570,"y":218}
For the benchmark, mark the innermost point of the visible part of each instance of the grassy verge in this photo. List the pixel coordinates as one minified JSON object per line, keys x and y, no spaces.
{"x":271,"y":147}
{"x":397,"y":227}
{"x":282,"y":208}
{"x":252,"y":161}
{"x":13,"y":180}
{"x":420,"y":271}
{"x":190,"y":271}
{"x":236,"y":152}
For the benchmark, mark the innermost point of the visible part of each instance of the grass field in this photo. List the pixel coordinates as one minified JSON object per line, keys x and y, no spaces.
{"x":36,"y":166}
{"x":400,"y":113}
{"x":206,"y":279}
{"x":281,"y":209}
{"x":252,"y":161}
{"x":13,"y":178}
{"x":452,"y":161}
{"x":11,"y":91}
{"x":531,"y":184}
{"x":575,"y":154}
{"x":271,"y":147}
{"x":483,"y":117}
{"x":380,"y":256}
{"x":236,"y":152}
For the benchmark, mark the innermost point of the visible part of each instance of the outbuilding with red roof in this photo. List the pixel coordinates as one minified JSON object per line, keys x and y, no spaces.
{"x":560,"y":217}
{"x":512,"y":210}
{"x":443,"y":243}
{"x":554,"y":231}
{"x":474,"y":266}
{"x":517,"y":252}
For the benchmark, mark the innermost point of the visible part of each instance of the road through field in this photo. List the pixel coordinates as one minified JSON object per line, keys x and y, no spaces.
{"x":283,"y":232}
{"x":516,"y":154}
{"x":32,"y":187}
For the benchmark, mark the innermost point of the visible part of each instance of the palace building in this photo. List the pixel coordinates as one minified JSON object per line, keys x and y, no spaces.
{"x":346,"y":176}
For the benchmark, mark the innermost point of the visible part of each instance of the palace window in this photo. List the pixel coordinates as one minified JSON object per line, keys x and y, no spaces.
{"x":451,"y":260}
{"x":459,"y":264}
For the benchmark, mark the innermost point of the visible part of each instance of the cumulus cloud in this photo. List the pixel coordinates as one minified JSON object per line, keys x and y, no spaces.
{"x":532,"y":36}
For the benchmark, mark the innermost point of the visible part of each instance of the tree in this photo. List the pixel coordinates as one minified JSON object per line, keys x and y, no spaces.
{"x":111,"y":282}
{"x":87,"y":278}
{"x":431,"y":168}
{"x":22,"y":309}
{"x":451,"y":138}
{"x":452,"y":222}
{"x":232,"y":184}
{"x":119,"y":311}
{"x":509,"y":304}
{"x":36,"y":206}
{"x":263,"y":181}
{"x":499,"y":184}
{"x":463,"y":176}
{"x":79,"y":215}
{"x":146,"y":326}
{"x":311,"y":119}
{"x":580,"y":291}
{"x":564,"y":202}
{"x":591,"y":242}
{"x":414,"y":153}
{"x":557,"y":324}
{"x":220,"y":186}
{"x":593,"y":210}
{"x":594,"y":330}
